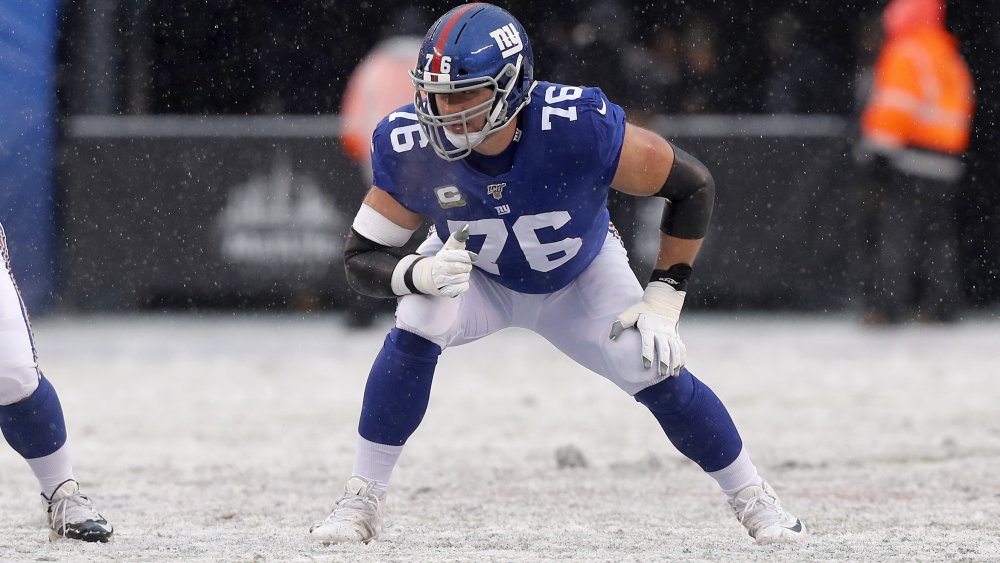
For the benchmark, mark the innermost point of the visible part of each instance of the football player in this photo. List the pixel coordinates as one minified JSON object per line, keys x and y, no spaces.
{"x":32,"y":421}
{"x":514,"y":174}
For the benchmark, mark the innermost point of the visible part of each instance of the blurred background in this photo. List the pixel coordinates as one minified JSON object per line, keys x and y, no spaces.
{"x":187,"y":154}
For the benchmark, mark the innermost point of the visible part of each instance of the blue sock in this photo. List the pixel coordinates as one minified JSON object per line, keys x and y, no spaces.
{"x":35,"y":426}
{"x":398,"y":388}
{"x":694,"y":419}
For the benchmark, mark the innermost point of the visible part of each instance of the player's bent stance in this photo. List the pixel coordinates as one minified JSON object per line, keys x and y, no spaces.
{"x":31,"y":418}
{"x":515,"y":174}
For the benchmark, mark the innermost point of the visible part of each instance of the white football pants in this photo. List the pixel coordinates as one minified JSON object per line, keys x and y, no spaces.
{"x":577,"y":319}
{"x":18,"y":367}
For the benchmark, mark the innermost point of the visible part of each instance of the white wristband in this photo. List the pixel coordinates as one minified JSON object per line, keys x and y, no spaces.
{"x":399,"y":274}
{"x":666,"y":300}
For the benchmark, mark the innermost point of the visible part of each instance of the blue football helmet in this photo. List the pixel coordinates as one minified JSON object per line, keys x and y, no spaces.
{"x":472,"y":46}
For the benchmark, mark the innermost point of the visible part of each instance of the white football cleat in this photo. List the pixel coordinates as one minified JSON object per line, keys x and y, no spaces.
{"x":760,"y":512}
{"x":358,"y":517}
{"x":71,"y":515}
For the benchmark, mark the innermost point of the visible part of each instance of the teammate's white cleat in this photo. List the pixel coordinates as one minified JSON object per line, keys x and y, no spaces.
{"x":358,"y":517}
{"x":71,"y":515}
{"x":760,"y":512}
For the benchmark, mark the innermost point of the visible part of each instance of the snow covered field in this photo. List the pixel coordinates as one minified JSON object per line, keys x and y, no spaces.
{"x":222,"y":438}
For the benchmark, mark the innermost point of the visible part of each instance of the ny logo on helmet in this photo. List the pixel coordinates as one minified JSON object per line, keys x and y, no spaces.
{"x":508,"y":39}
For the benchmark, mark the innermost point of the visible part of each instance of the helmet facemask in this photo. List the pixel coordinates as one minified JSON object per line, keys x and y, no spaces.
{"x":455,"y":145}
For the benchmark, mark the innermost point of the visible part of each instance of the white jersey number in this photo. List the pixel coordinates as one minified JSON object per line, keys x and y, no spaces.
{"x":405,"y":137}
{"x":541,"y":256}
{"x":566,"y":93}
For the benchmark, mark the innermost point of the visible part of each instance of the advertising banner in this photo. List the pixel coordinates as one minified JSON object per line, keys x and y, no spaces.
{"x":208,"y":216}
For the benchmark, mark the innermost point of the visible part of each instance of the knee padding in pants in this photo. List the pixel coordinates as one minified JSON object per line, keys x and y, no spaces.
{"x":17,"y":384}
{"x":669,"y":396}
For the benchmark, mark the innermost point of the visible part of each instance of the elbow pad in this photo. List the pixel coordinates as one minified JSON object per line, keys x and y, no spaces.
{"x":369,"y":265}
{"x":690,"y":190}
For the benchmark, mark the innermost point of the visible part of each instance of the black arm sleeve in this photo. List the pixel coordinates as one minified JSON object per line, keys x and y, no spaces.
{"x":370,"y":265}
{"x":691,"y":191}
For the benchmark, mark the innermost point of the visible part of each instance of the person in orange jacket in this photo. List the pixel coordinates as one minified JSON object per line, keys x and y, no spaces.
{"x":915,"y":129}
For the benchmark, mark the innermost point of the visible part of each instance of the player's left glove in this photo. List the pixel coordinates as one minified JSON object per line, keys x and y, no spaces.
{"x":656,"y":319}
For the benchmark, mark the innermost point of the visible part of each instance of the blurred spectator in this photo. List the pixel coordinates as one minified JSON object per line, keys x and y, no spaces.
{"x":795,"y":83}
{"x":658,"y":73}
{"x":704,"y":86}
{"x":915,"y":129}
{"x":600,"y":41}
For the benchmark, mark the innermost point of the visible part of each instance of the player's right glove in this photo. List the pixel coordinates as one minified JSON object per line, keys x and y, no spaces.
{"x":656,"y":317}
{"x":447,"y":272}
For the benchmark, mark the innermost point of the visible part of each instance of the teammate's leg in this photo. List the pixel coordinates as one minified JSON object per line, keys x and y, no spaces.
{"x":31,"y":419}
{"x":694,"y":419}
{"x":397,"y":394}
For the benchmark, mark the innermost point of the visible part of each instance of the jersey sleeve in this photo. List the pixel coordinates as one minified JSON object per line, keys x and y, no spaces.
{"x":607,"y":120}
{"x":395,"y":137}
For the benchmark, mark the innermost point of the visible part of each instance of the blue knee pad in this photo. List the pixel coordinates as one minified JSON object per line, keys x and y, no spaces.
{"x":398,"y":388}
{"x":35,"y":426}
{"x":694,"y":419}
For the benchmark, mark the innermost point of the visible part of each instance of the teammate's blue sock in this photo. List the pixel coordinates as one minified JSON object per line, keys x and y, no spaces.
{"x":35,"y":426}
{"x":398,"y":388}
{"x":694,"y":419}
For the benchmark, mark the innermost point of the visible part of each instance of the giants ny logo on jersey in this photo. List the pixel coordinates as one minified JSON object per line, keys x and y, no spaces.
{"x":508,"y":39}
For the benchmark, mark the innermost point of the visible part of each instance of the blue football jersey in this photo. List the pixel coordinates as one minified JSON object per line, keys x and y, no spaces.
{"x":537,"y":226}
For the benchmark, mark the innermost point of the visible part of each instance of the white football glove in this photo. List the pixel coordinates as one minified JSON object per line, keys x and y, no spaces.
{"x":447,"y":272}
{"x":656,"y":319}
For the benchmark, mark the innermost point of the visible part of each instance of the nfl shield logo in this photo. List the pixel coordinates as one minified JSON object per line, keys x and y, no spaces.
{"x":496,"y":190}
